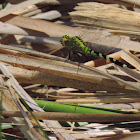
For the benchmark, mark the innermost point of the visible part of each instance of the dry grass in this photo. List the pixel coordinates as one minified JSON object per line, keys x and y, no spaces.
{"x":30,"y":55}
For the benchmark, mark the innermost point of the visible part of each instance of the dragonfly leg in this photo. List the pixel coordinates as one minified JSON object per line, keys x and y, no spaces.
{"x":68,"y":56}
{"x":76,"y":55}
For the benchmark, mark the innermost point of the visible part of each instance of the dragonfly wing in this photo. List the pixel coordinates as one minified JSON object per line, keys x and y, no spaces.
{"x":95,"y":34}
{"x":109,"y":41}
{"x":91,"y":33}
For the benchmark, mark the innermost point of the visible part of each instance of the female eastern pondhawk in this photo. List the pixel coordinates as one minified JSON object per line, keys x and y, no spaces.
{"x":77,"y":45}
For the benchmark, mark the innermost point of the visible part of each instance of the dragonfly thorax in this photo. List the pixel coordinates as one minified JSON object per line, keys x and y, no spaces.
{"x":75,"y":43}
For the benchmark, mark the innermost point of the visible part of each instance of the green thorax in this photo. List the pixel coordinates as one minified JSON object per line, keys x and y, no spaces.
{"x":75,"y":43}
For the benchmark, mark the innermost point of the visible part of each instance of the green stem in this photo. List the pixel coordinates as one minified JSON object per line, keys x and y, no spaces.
{"x":71,"y":108}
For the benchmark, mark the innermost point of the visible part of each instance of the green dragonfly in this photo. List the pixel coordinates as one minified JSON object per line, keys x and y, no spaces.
{"x":78,"y":46}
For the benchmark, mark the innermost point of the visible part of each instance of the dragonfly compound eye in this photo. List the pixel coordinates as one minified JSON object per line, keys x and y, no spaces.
{"x":62,"y":41}
{"x":67,"y":36}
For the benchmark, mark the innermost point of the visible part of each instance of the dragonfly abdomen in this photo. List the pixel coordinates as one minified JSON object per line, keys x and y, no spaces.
{"x":117,"y":62}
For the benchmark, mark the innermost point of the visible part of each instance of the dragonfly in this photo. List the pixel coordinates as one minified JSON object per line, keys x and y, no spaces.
{"x":78,"y":46}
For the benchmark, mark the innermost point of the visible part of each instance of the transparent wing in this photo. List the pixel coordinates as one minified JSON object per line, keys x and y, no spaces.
{"x":108,"y":42}
{"x":91,"y":32}
{"x":101,"y":40}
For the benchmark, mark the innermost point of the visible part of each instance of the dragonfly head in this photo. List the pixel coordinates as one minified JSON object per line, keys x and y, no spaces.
{"x":64,"y":39}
